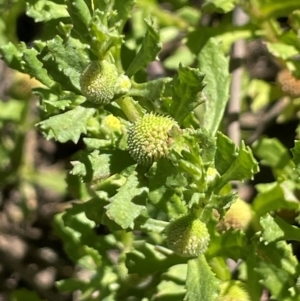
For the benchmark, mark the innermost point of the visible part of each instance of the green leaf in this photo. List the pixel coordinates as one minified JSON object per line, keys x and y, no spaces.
{"x":148,"y":259}
{"x":201,"y":282}
{"x":25,"y":59}
{"x":52,"y":179}
{"x":50,"y":102}
{"x":122,"y":209}
{"x":151,"y":90}
{"x":104,"y":37}
{"x":94,"y":210}
{"x":35,"y":68}
{"x":81,"y":242}
{"x":11,"y":110}
{"x":272,"y":152}
{"x":45,"y":10}
{"x":278,"y":269}
{"x":69,"y":227}
{"x":12,"y":55}
{"x":275,"y":229}
{"x":187,"y":87}
{"x":181,"y":55}
{"x":253,"y":278}
{"x":226,"y":153}
{"x":282,"y":50}
{"x":218,"y":6}
{"x":207,"y":144}
{"x":150,"y":47}
{"x":276,"y":281}
{"x":275,"y":155}
{"x":215,"y":66}
{"x":243,"y":167}
{"x":231,"y":244}
{"x":80,"y":15}
{"x":226,"y":33}
{"x":91,"y":167}
{"x":274,"y":196}
{"x":170,"y":290}
{"x":265,"y":9}
{"x":65,"y":61}
{"x":296,"y":155}
{"x":153,"y":225}
{"x":95,"y":166}
{"x":67,"y":126}
{"x":163,"y":181}
{"x":123,"y":9}
{"x":24,"y":294}
{"x":172,"y":287}
{"x":222,"y":201}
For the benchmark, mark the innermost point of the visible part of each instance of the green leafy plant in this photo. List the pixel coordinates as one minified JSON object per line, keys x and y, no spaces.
{"x":157,"y":170}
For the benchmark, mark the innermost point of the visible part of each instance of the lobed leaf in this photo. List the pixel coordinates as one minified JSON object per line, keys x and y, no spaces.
{"x":122,"y":209}
{"x":67,"y":126}
{"x":65,"y":61}
{"x":274,"y":196}
{"x":278,"y":269}
{"x":123,"y":9}
{"x":91,"y":167}
{"x":274,"y":229}
{"x":12,"y":55}
{"x":34,"y":67}
{"x":25,"y":59}
{"x":186,"y":96}
{"x":45,"y":10}
{"x":151,"y":45}
{"x":230,"y":244}
{"x":243,"y":167}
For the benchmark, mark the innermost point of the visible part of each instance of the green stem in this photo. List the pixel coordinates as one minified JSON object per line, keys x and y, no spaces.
{"x":152,"y":90}
{"x":219,"y":267}
{"x":131,"y":109}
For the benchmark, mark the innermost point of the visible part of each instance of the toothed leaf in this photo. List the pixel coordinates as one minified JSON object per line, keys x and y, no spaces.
{"x":67,"y":126}
{"x":122,"y":209}
{"x":150,"y":47}
{"x":187,"y":95}
{"x":201,"y":282}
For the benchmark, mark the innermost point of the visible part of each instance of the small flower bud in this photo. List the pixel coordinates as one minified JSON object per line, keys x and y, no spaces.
{"x":98,"y":82}
{"x":123,"y":84}
{"x":239,"y":215}
{"x":187,"y":236}
{"x":233,"y":291}
{"x":148,"y":138}
{"x":288,"y":83}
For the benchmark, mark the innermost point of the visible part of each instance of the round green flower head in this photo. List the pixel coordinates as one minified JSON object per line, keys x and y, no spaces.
{"x":187,"y":236}
{"x":98,"y":81}
{"x":233,"y":291}
{"x":239,"y":215}
{"x":148,"y":138}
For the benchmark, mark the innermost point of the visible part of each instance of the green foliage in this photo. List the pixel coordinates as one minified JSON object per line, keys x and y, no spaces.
{"x":137,"y":198}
